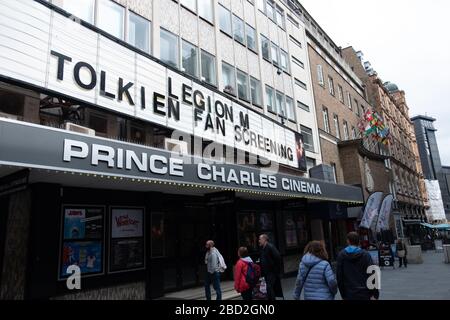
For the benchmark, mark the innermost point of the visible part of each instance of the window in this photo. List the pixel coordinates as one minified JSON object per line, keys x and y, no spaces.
{"x":270,"y":10}
{"x":169,"y":48}
{"x":310,"y":163}
{"x":341,"y":93}
{"x":331,"y":86}
{"x":363,"y":110}
{"x":336,"y":126}
{"x":265,"y":47}
{"x":326,"y":121}
{"x":225,"y":20}
{"x":354,"y":135}
{"x":307,"y":138}
{"x":251,"y":37}
{"x":320,"y":75}
{"x":255,"y":90}
{"x":190,"y":59}
{"x":190,"y":4}
{"x":296,"y":42}
{"x":270,"y":97}
{"x":349,"y":101}
{"x":293,"y":21}
{"x":242,"y":86}
{"x":303,"y":106}
{"x":281,"y":107}
{"x":228,"y":77}
{"x":83,"y":9}
{"x":274,"y":54}
{"x":333,"y":165}
{"x":139,"y":32}
{"x":346,"y":136}
{"x":111,"y":18}
{"x":290,"y":109}
{"x":301,"y":84}
{"x":284,"y":60}
{"x":357,"y":107}
{"x":280,"y":17}
{"x":205,"y":10}
{"x":208,"y":68}
{"x":238,"y":29}
{"x":298,"y":62}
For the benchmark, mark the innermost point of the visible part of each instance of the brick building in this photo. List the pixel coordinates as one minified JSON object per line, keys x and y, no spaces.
{"x":407,"y":177}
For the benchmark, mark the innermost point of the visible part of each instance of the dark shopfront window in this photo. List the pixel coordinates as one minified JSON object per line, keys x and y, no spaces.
{"x":296,"y":233}
{"x":251,"y":224}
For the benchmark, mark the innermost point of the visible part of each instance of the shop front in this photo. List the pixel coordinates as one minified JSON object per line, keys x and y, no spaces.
{"x":137,"y":233}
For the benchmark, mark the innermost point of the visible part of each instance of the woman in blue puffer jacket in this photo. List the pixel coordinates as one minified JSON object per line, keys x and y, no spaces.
{"x":315,"y":275}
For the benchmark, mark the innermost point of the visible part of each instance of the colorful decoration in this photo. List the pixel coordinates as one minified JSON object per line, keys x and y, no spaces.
{"x":372,"y":125}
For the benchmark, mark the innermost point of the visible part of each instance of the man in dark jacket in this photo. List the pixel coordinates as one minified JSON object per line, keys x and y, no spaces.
{"x":352,"y":271}
{"x":270,"y":267}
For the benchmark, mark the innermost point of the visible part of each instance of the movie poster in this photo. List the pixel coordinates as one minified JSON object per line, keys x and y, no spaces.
{"x":86,"y":223}
{"x":127,"y":254}
{"x":127,"y":223}
{"x":87,"y":255}
{"x":290,"y":230}
{"x":247,"y":222}
{"x":265,"y":221}
{"x":157,"y":236}
{"x":249,"y":240}
{"x":300,"y":151}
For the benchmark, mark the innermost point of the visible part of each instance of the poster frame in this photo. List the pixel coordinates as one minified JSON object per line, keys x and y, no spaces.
{"x":111,"y":208}
{"x":65,"y":206}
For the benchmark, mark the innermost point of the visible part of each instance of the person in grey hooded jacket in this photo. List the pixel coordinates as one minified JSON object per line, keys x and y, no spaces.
{"x":315,"y":275}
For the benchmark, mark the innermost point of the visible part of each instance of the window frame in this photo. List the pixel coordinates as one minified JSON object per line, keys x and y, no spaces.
{"x":161,"y":31}
{"x":255,"y":47}
{"x":331,"y":86}
{"x":320,"y":77}
{"x":258,"y":86}
{"x":149,"y":31}
{"x":221,"y":10}
{"x":242,"y":23}
{"x":247,"y":81}
{"x":99,"y":15}
{"x":326,"y":120}
{"x":273,"y":106}
{"x":336,"y":126}
{"x":183,"y":42}
{"x":203,"y":52}
{"x":292,"y":110}
{"x":308,"y":132}
{"x":233,"y":69}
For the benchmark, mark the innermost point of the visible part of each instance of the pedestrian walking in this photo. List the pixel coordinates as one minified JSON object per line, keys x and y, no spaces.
{"x":352,"y":271}
{"x":246,"y":274}
{"x":214,"y":266}
{"x":401,"y":253}
{"x":315,"y":275}
{"x":271,"y":267}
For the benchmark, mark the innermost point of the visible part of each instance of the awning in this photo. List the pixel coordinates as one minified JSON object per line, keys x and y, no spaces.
{"x":444,"y":226}
{"x":26,"y":145}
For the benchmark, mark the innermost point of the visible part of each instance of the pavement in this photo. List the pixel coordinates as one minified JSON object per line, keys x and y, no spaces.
{"x":427,"y":281}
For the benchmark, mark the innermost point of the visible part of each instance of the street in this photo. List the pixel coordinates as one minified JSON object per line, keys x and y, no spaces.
{"x":427,"y":281}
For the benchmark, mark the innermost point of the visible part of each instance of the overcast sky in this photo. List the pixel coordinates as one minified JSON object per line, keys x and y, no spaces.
{"x":406,"y":41}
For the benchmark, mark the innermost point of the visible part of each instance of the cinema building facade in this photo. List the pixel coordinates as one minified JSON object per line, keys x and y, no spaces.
{"x":93,"y":171}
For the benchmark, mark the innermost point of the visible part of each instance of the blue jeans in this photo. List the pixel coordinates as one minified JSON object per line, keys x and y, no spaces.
{"x":213,"y":278}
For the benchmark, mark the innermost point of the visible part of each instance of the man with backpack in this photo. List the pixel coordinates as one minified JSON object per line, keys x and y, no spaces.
{"x":353,"y":271}
{"x":246,"y":274}
{"x":215,"y":265}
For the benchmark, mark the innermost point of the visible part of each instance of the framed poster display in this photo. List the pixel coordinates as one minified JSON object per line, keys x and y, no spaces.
{"x":158,"y":235}
{"x":82,"y":240}
{"x":127,"y":241}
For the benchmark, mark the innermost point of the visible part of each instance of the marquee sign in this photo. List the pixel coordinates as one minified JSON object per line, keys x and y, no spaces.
{"x":34,"y":146}
{"x":61,"y":55}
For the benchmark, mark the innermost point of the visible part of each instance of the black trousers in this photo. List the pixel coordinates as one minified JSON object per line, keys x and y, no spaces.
{"x":274,"y":288}
{"x":402,"y":261}
{"x":247,"y":295}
